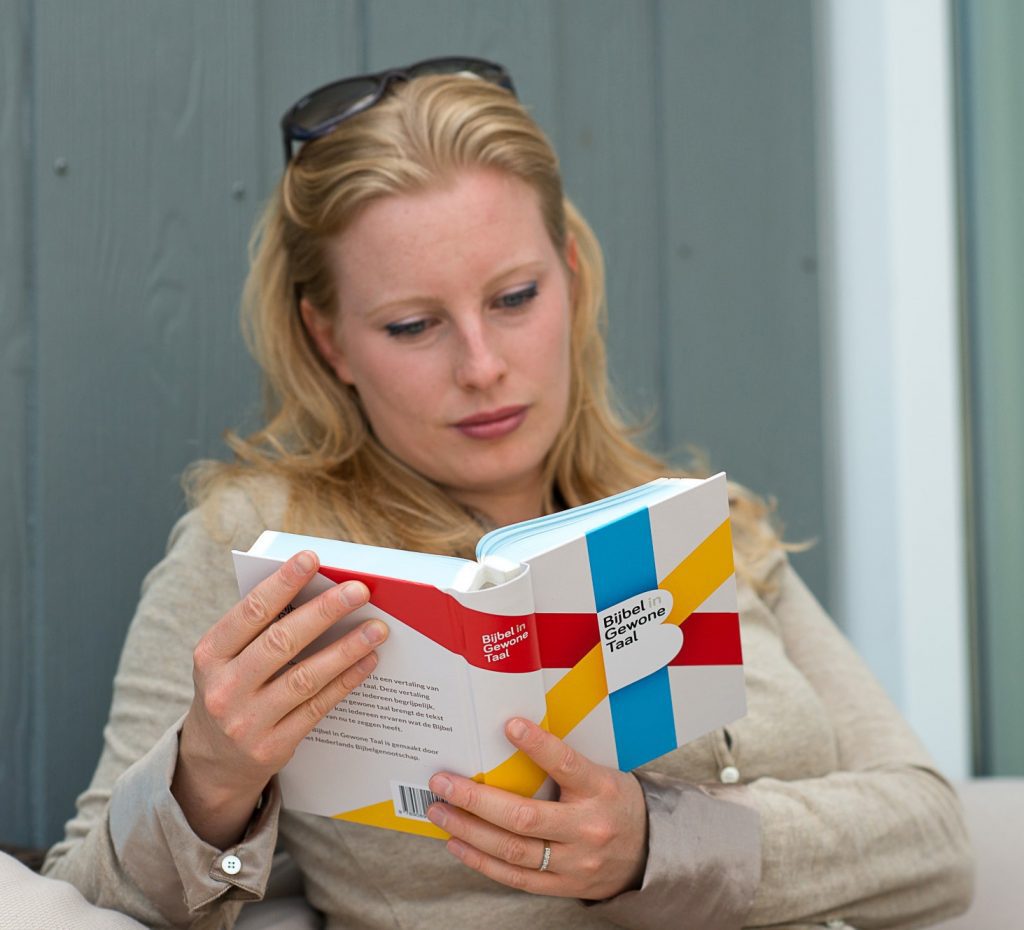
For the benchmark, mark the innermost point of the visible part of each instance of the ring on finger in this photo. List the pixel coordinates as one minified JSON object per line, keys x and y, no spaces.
{"x":545,"y":861}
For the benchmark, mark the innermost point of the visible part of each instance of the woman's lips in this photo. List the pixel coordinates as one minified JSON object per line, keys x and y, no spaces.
{"x":492,"y":424}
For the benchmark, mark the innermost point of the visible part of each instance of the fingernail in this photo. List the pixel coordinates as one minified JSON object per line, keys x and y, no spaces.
{"x":374,"y":632}
{"x":437,"y":814}
{"x":366,"y":664}
{"x":516,"y":728}
{"x":354,"y":593}
{"x":306,"y":562}
{"x":441,"y":786}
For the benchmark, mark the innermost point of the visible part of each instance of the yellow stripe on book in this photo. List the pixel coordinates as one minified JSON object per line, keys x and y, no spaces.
{"x":518,"y":773}
{"x":383,"y":815}
{"x":700,"y":574}
{"x":577,"y":693}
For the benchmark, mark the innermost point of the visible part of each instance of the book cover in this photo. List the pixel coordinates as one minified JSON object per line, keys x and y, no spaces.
{"x":613,"y":625}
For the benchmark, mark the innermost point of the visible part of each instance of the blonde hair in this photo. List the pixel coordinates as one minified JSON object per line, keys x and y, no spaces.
{"x":317,"y":438}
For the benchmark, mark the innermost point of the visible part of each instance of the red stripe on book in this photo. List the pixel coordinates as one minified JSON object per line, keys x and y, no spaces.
{"x":565,"y":638}
{"x":710,"y":639}
{"x":491,"y":641}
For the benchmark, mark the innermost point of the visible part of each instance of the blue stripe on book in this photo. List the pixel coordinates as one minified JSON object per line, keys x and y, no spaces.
{"x":642,"y":720}
{"x":621,"y":566}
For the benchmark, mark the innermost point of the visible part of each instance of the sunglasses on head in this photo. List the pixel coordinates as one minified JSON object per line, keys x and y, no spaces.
{"x":317,"y":113}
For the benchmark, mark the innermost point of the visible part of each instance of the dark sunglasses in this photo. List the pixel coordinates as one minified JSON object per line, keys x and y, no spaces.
{"x":320,"y":111}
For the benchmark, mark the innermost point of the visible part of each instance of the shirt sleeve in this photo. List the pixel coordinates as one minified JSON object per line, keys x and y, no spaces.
{"x":129,"y":847}
{"x":879,"y":842}
{"x":703,"y":859}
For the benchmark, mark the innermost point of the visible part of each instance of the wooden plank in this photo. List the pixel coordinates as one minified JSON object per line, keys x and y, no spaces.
{"x":166,"y":114}
{"x":18,"y":796}
{"x":743,"y":343}
{"x":130,"y":311}
{"x":521,"y":36}
{"x":302,"y":45}
{"x":610,"y":136}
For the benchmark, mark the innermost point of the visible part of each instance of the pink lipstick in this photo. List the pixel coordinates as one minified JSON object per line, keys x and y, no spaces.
{"x":492,"y":424}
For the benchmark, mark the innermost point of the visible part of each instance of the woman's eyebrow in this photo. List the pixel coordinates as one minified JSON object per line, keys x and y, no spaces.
{"x":411,"y":301}
{"x":428,"y":300}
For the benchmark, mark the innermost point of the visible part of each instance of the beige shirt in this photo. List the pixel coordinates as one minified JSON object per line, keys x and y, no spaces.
{"x":838,"y":814}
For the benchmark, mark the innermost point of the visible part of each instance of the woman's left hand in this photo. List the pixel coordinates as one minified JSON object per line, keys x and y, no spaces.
{"x":597,"y":829}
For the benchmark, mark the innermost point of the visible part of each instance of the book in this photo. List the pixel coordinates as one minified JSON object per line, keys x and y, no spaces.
{"x":613,"y":625}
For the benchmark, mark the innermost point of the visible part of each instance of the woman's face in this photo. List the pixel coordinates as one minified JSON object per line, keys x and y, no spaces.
{"x":453,"y":327}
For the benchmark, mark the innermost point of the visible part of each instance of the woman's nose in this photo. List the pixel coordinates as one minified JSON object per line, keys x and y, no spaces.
{"x":481,"y":364}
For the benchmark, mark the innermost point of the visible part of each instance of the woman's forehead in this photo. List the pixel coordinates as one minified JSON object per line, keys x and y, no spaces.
{"x":474,"y":196}
{"x":479,"y":223}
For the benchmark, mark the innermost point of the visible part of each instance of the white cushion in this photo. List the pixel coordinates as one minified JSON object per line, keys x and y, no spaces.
{"x":995,"y":818}
{"x":32,"y":902}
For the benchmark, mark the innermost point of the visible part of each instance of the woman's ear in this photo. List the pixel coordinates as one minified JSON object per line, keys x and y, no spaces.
{"x":572,"y":262}
{"x":325,"y":339}
{"x":572,"y":254}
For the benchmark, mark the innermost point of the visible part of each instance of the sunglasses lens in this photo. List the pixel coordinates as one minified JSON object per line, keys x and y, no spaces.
{"x":319,"y":112}
{"x":333,"y":101}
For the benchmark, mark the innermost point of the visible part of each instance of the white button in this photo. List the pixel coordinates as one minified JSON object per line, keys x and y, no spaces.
{"x":729,"y":775}
{"x":231,"y":864}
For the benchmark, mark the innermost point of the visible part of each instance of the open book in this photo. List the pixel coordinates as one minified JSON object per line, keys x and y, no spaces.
{"x":614,"y":625}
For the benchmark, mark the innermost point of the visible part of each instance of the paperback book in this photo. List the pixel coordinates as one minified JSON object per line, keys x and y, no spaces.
{"x":613,"y":625}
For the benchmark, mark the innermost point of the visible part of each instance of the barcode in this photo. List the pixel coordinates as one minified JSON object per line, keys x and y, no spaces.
{"x":411,"y":801}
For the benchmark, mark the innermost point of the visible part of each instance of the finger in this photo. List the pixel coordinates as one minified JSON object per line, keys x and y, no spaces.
{"x":263,"y":604}
{"x":569,"y":768}
{"x":306,"y":680}
{"x":524,"y":851}
{"x":280,"y":642}
{"x":309,"y":713}
{"x":511,"y":812}
{"x":523,"y":879}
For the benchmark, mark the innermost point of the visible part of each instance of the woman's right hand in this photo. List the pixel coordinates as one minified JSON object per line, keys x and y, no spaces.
{"x":246,"y":719}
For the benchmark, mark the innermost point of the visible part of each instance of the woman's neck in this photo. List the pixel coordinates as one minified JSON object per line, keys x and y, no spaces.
{"x":501,"y":508}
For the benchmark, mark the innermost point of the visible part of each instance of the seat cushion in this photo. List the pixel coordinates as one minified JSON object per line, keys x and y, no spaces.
{"x":279,"y":914}
{"x":995,"y":818}
{"x":32,"y":902}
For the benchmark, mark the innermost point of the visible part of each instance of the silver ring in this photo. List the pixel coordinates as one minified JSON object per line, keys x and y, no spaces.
{"x":546,"y":861}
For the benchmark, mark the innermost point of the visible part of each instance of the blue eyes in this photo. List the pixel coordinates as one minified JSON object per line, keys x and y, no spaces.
{"x":514,"y":300}
{"x":518,"y":298}
{"x":413,"y":328}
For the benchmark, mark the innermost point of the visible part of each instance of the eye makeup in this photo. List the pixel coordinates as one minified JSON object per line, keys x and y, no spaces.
{"x":513,"y":300}
{"x":407,"y":328}
{"x":518,"y":298}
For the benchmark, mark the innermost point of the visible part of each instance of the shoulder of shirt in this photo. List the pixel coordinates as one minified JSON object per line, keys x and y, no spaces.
{"x":766,"y":579}
{"x":234,"y":513}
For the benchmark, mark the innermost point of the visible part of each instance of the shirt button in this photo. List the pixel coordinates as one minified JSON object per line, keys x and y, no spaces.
{"x":232,"y":865}
{"x":729,"y":775}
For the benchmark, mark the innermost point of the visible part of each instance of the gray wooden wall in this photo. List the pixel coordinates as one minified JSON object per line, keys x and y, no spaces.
{"x":137,"y":140}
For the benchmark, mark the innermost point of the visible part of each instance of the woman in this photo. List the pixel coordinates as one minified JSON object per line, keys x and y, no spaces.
{"x":426,"y":307}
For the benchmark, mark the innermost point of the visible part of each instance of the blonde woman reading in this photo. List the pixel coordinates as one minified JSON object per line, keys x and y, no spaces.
{"x":427,"y":308}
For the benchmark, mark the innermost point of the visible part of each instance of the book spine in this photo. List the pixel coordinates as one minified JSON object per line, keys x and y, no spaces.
{"x":503,"y":668}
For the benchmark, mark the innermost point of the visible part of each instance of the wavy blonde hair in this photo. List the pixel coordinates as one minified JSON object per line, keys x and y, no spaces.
{"x":317,"y":439}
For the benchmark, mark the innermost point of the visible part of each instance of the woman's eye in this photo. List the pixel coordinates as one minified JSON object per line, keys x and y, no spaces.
{"x":407,"y":328}
{"x":518,"y":298}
